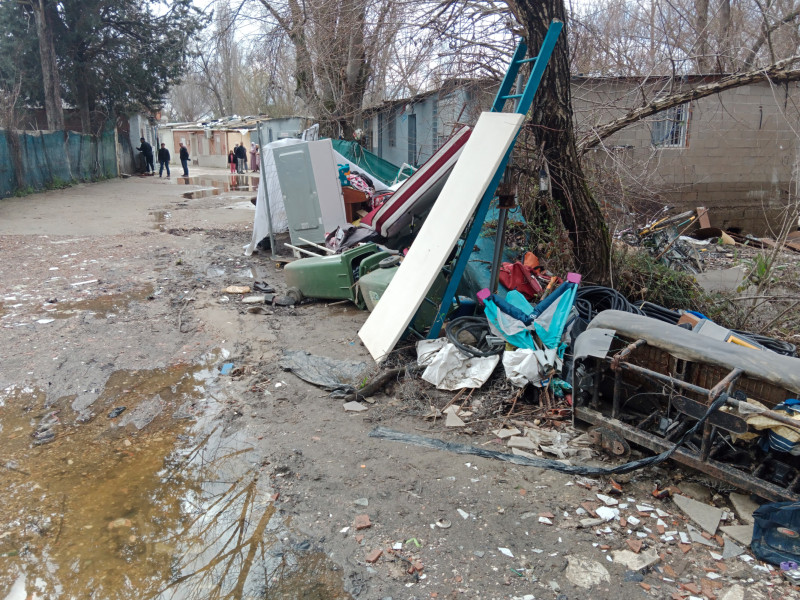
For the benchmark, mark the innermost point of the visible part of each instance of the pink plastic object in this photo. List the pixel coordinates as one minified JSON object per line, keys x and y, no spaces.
{"x":574,"y":277}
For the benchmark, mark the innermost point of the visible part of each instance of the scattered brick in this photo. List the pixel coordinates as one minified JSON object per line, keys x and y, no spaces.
{"x":623,"y":522}
{"x":661,"y":529}
{"x":547,"y":515}
{"x":706,"y":535}
{"x":362,"y":522}
{"x":685,"y":547}
{"x":605,"y":547}
{"x":373,"y":556}
{"x":635,"y":545}
{"x":359,"y":539}
{"x":670,"y":571}
{"x":645,"y":586}
{"x":690,"y":587}
{"x":590,"y":507}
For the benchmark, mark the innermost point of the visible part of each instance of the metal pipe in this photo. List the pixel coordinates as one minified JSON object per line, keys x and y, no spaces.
{"x":625,"y":352}
{"x":665,"y":378}
{"x":317,"y":246}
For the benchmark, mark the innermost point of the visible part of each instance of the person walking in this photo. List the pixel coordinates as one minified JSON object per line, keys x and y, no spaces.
{"x":253,"y":163}
{"x":147,"y":152}
{"x":184,"y":154}
{"x":241,"y":156}
{"x":163,"y":160}
{"x":232,"y":161}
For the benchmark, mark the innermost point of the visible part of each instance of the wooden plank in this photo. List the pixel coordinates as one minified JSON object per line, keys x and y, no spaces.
{"x":702,"y":217}
{"x":480,"y":159}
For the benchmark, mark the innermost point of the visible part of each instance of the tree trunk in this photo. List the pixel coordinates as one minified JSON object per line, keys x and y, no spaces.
{"x":725,"y":56}
{"x":701,"y":26}
{"x":42,"y":11}
{"x":355,"y":75}
{"x":552,"y":125}
{"x":82,"y":97}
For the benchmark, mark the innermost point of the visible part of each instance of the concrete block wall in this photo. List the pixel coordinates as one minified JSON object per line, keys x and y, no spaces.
{"x":741,"y":156}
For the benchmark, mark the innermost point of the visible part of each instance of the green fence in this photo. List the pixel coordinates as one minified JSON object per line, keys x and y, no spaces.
{"x":34,"y":160}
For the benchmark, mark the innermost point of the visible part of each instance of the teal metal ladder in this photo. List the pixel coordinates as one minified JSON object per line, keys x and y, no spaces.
{"x":523,"y":102}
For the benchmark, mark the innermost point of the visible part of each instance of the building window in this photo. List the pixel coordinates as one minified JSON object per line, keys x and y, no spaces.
{"x":670,"y":127}
{"x":392,"y":129}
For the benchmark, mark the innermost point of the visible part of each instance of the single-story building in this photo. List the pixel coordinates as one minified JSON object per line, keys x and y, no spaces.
{"x":735,"y":153}
{"x":209,"y":142}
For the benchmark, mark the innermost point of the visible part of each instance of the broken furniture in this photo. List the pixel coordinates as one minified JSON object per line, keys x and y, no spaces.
{"x":418,"y":193}
{"x":354,"y":200}
{"x":639,"y":380}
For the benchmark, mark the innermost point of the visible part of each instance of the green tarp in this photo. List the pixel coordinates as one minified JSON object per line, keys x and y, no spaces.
{"x":34,"y":160}
{"x":371,"y":163}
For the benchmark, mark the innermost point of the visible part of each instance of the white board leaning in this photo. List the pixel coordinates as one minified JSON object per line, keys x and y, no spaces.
{"x":480,"y":159}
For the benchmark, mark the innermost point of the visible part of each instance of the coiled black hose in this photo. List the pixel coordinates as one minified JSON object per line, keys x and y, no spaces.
{"x":593,"y":299}
{"x":478,"y":327}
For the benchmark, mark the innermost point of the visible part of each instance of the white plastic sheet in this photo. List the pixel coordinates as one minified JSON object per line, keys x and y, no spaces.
{"x":525,"y":366}
{"x":449,"y":369}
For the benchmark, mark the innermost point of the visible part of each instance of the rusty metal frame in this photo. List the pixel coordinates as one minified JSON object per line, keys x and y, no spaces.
{"x":701,"y":460}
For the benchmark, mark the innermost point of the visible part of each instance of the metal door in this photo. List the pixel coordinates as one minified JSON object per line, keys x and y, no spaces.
{"x":300,"y":198}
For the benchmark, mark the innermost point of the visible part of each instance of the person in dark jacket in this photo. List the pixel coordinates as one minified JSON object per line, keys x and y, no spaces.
{"x":147,"y":152}
{"x":184,"y":154}
{"x":241,"y":157}
{"x":163,"y":160}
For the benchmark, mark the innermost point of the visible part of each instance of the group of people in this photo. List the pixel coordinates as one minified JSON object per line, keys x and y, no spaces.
{"x":163,"y":158}
{"x":237,"y":158}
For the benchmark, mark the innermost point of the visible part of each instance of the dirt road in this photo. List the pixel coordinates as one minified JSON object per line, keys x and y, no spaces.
{"x":132,"y":467}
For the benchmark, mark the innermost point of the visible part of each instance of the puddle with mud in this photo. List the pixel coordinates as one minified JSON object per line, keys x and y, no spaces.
{"x":160,"y":217}
{"x":100,"y":306}
{"x":161,"y":501}
{"x":214,"y":186}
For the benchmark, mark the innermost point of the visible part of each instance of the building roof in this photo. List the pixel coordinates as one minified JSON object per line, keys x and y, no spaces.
{"x":232,"y":123}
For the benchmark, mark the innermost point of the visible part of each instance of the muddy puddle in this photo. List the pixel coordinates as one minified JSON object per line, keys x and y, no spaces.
{"x":160,"y":217}
{"x":100,"y":306}
{"x":159,"y":501}
{"x":214,"y":186}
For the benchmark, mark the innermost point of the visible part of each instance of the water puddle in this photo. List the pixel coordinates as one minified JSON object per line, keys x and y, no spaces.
{"x":203,"y":193}
{"x":100,"y":306}
{"x":159,"y":501}
{"x":160,"y":217}
{"x":214,"y":186}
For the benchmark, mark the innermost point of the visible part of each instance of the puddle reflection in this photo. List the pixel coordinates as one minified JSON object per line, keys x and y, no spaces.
{"x":161,"y":503}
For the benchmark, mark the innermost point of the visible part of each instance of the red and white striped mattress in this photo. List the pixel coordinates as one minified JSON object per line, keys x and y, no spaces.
{"x":418,"y":192}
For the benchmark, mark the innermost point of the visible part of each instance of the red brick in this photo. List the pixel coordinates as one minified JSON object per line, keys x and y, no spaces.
{"x":635,"y":545}
{"x":690,"y":587}
{"x":362,"y":522}
{"x":547,"y":515}
{"x":623,"y":522}
{"x":373,"y":556}
{"x":661,"y":529}
{"x":685,"y":547}
{"x":670,"y":571}
{"x":359,"y":539}
{"x":645,"y":586}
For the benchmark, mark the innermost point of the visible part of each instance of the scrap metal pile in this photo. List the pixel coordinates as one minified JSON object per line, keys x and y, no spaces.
{"x":668,"y":380}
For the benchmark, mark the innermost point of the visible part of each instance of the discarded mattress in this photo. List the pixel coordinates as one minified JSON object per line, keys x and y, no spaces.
{"x":418,"y":192}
